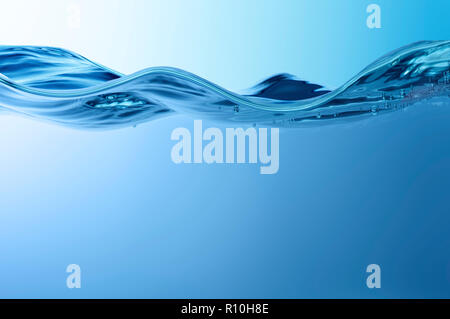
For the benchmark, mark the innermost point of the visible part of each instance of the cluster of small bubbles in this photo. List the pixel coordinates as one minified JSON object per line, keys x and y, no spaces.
{"x":374,"y":109}
{"x":445,"y":79}
{"x":116,"y":100}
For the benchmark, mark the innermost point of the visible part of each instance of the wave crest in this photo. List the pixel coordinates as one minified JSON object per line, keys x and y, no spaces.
{"x":63,"y":87}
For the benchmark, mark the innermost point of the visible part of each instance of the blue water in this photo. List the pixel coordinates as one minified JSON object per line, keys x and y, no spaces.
{"x":63,"y":87}
{"x":372,"y":190}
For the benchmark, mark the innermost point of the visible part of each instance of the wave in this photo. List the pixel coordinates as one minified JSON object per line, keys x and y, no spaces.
{"x":63,"y":87}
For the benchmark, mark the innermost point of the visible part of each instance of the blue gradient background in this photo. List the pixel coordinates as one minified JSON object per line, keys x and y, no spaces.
{"x":142,"y":227}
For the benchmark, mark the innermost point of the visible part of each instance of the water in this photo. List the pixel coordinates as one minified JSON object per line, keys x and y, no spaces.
{"x":65,"y":88}
{"x":373,"y":189}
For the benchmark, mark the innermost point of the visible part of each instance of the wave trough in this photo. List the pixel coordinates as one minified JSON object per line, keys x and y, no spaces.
{"x":63,"y":87}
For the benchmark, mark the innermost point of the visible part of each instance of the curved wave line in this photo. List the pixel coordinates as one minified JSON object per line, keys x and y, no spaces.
{"x":66,"y":88}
